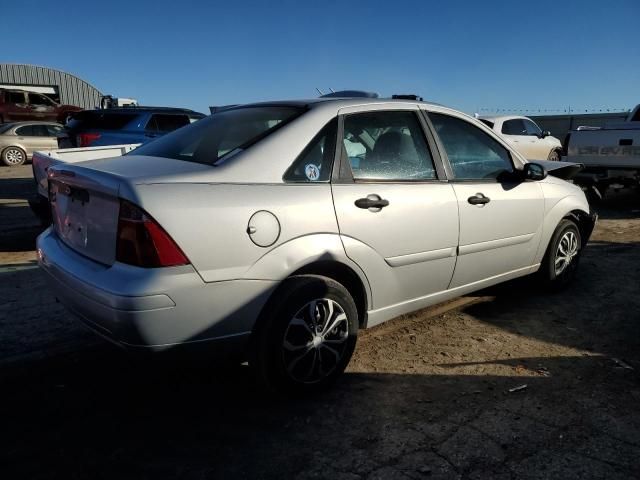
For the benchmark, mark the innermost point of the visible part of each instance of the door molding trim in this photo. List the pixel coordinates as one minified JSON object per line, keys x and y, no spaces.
{"x":493,"y":244}
{"x":402,"y":260}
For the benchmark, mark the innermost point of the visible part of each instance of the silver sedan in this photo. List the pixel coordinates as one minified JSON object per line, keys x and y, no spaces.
{"x":278,"y":230}
{"x":19,"y":140}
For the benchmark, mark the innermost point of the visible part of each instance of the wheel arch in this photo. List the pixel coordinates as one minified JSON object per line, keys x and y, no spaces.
{"x":572,"y":206}
{"x":344,"y":275}
{"x":585,"y":222}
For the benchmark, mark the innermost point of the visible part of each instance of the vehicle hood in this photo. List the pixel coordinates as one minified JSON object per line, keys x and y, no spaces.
{"x":563,"y":170}
{"x":139,"y":169}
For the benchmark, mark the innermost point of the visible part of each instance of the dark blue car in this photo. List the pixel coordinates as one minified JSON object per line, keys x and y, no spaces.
{"x":125,"y":125}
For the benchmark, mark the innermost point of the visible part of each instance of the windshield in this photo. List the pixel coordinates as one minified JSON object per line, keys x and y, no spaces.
{"x":210,"y":139}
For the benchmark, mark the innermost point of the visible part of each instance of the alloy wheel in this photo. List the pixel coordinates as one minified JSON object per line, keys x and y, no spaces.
{"x":315,"y":341}
{"x":14,"y":156}
{"x":566,"y":251}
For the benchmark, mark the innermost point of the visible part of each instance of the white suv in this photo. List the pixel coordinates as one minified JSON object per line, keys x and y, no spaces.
{"x":526,"y":137}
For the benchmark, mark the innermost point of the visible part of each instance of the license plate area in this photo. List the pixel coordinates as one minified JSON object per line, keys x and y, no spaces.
{"x":69,"y":206}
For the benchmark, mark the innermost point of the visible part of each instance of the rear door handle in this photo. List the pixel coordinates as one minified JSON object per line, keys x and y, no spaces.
{"x":478,"y":199}
{"x":372,"y":202}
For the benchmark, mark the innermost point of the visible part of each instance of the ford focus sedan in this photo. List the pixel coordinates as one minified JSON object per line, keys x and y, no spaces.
{"x":279,"y":230}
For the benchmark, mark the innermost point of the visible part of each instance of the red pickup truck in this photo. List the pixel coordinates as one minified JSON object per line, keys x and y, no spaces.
{"x":20,"y":105}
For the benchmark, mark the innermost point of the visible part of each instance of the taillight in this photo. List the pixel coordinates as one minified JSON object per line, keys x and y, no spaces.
{"x":86,"y":139}
{"x":144,"y":243}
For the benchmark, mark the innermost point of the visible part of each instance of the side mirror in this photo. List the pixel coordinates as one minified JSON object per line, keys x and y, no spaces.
{"x":546,"y":133}
{"x":534,"y":171}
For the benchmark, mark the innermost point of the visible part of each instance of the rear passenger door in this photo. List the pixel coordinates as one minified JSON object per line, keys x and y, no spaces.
{"x":397,"y":216}
{"x":500,"y":216}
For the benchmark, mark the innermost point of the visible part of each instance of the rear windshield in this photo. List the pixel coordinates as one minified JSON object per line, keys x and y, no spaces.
{"x":91,"y":120}
{"x":214,"y":137}
{"x":5,"y":127}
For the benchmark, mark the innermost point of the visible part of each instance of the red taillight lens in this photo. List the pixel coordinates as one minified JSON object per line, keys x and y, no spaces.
{"x":86,"y":139}
{"x":144,"y":243}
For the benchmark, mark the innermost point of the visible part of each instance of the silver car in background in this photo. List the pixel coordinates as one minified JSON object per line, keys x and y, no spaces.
{"x":19,"y":140}
{"x":280,"y":229}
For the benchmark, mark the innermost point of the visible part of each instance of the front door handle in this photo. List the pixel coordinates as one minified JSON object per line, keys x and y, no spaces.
{"x":372,"y":202}
{"x":478,"y":199}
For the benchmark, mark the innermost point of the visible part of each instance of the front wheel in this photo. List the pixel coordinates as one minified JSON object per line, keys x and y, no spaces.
{"x":560,"y":262}
{"x":554,"y":156}
{"x":306,"y":336}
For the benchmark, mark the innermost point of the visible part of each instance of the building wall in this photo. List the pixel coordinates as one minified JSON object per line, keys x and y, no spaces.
{"x":71,"y":89}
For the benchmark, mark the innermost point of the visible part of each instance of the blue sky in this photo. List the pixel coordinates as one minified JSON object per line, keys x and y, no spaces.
{"x":465,"y":54}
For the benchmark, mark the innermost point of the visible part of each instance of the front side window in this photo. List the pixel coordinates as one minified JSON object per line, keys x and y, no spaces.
{"x":472,"y":153}
{"x":387,"y":145}
{"x":315,"y":162}
{"x":53,"y":130}
{"x":212,"y":138}
{"x":532,"y":128}
{"x":37,"y":99}
{"x":40,"y":131}
{"x":514,"y":127}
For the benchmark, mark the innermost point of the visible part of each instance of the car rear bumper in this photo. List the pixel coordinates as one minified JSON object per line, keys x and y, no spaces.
{"x":151,"y":308}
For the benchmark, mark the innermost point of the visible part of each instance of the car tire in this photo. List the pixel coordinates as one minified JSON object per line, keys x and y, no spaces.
{"x":13,"y":156}
{"x":561,"y":259}
{"x":554,"y":156}
{"x":294,"y":349}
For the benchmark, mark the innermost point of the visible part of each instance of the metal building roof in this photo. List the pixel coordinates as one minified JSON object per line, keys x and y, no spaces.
{"x":72,"y":90}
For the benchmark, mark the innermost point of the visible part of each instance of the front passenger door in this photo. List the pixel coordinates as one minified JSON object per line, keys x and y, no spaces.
{"x":500,"y":217}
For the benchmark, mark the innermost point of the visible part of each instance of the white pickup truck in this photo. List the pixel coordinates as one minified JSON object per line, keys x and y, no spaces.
{"x":42,"y":160}
{"x":610,"y":154}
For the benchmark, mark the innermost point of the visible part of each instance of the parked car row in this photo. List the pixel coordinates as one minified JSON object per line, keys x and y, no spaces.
{"x":299,"y":223}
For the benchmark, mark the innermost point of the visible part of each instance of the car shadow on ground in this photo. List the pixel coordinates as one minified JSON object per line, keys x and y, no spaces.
{"x":101,"y":414}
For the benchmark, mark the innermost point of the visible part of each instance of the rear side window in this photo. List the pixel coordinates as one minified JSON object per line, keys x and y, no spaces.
{"x":97,"y":120}
{"x":472,"y":154}
{"x":315,"y":162}
{"x":26,"y":131}
{"x":210,"y":139}
{"x":167,"y":123}
{"x":33,"y":131}
{"x":16,"y":97}
{"x":514,"y":127}
{"x":387,"y":145}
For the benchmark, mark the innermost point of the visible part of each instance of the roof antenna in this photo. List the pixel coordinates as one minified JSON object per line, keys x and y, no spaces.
{"x":319,"y":91}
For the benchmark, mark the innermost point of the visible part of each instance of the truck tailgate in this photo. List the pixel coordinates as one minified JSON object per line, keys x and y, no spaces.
{"x":605,"y":148}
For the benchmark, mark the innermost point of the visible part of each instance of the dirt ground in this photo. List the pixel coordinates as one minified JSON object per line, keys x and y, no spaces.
{"x":511,"y":383}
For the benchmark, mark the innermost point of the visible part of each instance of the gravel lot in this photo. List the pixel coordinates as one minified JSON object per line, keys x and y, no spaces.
{"x":426,"y":395}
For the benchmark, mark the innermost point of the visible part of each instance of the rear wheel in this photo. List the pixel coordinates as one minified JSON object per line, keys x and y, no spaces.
{"x":307,"y":335}
{"x":563,"y":254}
{"x":13,"y":156}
